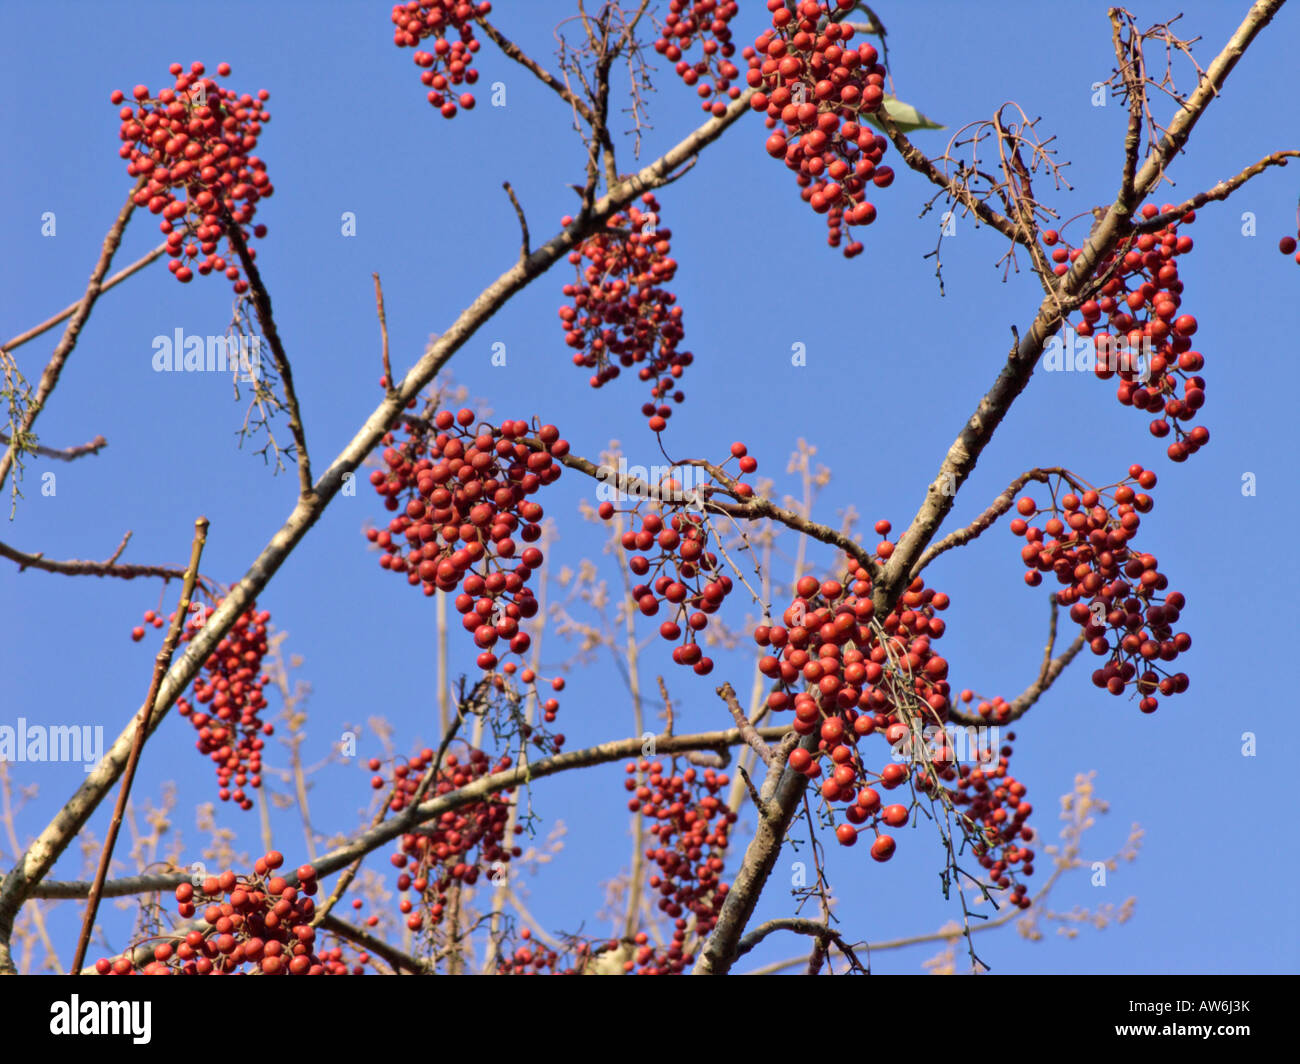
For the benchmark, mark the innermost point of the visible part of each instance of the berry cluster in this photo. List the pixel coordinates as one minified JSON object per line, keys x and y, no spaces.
{"x":1149,"y":341}
{"x":231,"y":684}
{"x":994,"y":801}
{"x":194,"y":142}
{"x":688,"y":577}
{"x":463,"y":494}
{"x":256,"y":923}
{"x":690,"y":822}
{"x":818,"y":87}
{"x":706,"y":21}
{"x":847,"y":678}
{"x":843,"y":682}
{"x":1112,"y":590}
{"x":448,"y":64}
{"x":621,"y":316}
{"x":439,"y":853}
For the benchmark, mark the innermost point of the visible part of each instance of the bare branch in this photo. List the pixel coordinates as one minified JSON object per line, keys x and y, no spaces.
{"x":77,"y":567}
{"x":1221,"y":191}
{"x":819,"y":931}
{"x":524,"y":250}
{"x":68,"y":311}
{"x":67,"y":454}
{"x":513,"y":51}
{"x":728,"y":694}
{"x":161,"y":664}
{"x":383,"y":332}
{"x":999,"y":507}
{"x":77,"y":320}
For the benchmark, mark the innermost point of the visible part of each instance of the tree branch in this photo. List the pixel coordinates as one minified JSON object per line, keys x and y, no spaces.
{"x":774,"y":816}
{"x":76,"y":567}
{"x":1221,"y":191}
{"x":78,"y":318}
{"x":513,"y":51}
{"x":819,"y":931}
{"x":67,"y":454}
{"x":68,"y":311}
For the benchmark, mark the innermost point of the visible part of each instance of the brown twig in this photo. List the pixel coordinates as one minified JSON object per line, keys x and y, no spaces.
{"x":161,"y":663}
{"x":262,"y":301}
{"x":396,"y":958}
{"x":728,"y":695}
{"x":383,"y":332}
{"x":999,"y":506}
{"x":77,"y":567}
{"x":77,"y":320}
{"x":819,"y":931}
{"x":67,"y":454}
{"x":1221,"y":191}
{"x":524,"y":249}
{"x":71,"y":309}
{"x":513,"y":51}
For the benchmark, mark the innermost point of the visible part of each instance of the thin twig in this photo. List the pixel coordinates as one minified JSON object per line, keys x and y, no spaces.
{"x":728,"y":695}
{"x":524,"y":248}
{"x":78,"y":567}
{"x":77,"y":320}
{"x":383,"y":332}
{"x":161,"y":664}
{"x":67,"y":454}
{"x":71,"y":309}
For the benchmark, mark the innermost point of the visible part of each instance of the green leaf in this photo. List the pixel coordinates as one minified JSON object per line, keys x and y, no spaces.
{"x":906,"y":117}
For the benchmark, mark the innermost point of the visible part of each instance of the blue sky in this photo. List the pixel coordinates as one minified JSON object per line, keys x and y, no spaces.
{"x":892,"y":372}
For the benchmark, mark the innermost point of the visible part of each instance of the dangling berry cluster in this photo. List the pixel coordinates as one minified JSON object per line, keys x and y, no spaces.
{"x":1149,"y":342}
{"x":463,"y":495}
{"x":258,"y":923}
{"x":448,"y":64}
{"x":690,"y":823}
{"x":688,"y":577}
{"x":621,"y":316}
{"x":440,"y":851}
{"x":994,"y":800}
{"x":194,"y":141}
{"x":847,"y":678}
{"x":844,"y":683}
{"x":231,"y":734}
{"x":818,"y":86}
{"x":1112,"y":590}
{"x":705,"y":21}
